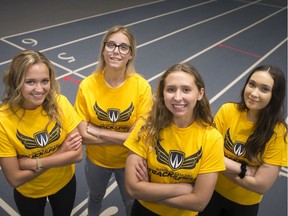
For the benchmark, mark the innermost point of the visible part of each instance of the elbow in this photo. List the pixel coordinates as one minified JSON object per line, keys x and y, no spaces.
{"x":133,"y":192}
{"x":261,"y":191}
{"x":79,"y":157}
{"x":14,"y":183}
{"x":130,"y":191}
{"x":200,"y":205}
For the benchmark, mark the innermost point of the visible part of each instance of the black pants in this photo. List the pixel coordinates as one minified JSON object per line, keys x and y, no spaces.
{"x":61,"y":202}
{"x":220,"y":206}
{"x":139,"y":210}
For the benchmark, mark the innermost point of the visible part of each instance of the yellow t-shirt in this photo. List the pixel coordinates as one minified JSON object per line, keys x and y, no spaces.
{"x":29,"y":137}
{"x":180,"y":157}
{"x":236,"y":129}
{"x":114,"y":109}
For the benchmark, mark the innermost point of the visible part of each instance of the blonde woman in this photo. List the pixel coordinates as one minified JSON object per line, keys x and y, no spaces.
{"x":109,"y":101}
{"x":39,"y":139}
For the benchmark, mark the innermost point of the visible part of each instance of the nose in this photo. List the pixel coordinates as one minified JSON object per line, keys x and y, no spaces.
{"x":178,"y":95}
{"x":117,"y":49}
{"x":254,"y":92}
{"x":38,"y":87}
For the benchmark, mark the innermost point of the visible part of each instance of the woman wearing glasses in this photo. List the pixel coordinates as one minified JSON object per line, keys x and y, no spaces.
{"x":109,"y":101}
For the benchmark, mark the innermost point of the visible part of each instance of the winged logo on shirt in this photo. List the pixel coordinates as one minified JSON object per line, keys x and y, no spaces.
{"x":113,"y":115}
{"x":237,"y":148}
{"x":176,"y":159}
{"x":40,"y":139}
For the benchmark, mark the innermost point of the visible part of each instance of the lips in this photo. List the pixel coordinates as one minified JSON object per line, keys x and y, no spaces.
{"x":251,"y":100}
{"x":38,"y":96}
{"x":115,"y":59}
{"x":179,"y":106}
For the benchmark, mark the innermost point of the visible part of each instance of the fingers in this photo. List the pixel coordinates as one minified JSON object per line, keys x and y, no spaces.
{"x":74,"y":141}
{"x":141,"y":171}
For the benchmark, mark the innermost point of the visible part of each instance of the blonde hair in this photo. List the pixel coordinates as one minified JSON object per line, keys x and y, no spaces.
{"x":130,"y":69}
{"x":14,"y":78}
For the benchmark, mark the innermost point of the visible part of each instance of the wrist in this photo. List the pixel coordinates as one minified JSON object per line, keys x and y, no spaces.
{"x":243,"y":168}
{"x":98,"y":134}
{"x":39,"y":166}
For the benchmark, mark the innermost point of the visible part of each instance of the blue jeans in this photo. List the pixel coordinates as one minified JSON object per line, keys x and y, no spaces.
{"x":97,"y":179}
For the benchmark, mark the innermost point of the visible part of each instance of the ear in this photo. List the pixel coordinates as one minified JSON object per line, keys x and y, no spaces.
{"x":130,"y":57}
{"x":201,"y":94}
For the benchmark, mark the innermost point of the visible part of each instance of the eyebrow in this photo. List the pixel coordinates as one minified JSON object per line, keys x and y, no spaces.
{"x":264,"y":85}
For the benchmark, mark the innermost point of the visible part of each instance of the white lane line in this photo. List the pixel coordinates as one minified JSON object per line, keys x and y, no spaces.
{"x":79,"y":206}
{"x":81,"y":19}
{"x":8,"y":208}
{"x":219,"y":42}
{"x":130,"y":24}
{"x":188,"y":27}
{"x":283,"y":172}
{"x":246,"y":72}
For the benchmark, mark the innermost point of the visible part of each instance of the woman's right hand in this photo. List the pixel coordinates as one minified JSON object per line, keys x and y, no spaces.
{"x":72,"y":142}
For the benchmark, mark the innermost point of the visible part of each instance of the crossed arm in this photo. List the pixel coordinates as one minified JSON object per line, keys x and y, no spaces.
{"x":93,"y":135}
{"x":177,"y":195}
{"x":21,"y":170}
{"x":258,"y":179}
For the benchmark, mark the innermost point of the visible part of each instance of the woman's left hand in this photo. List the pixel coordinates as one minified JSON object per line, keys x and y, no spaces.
{"x":142,"y":171}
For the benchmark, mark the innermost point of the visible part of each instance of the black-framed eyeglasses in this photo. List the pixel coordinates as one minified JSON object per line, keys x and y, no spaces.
{"x":111,"y":46}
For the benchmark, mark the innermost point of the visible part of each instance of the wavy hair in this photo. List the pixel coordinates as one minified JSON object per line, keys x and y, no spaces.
{"x":14,"y":78}
{"x":161,"y":117}
{"x":269,"y":116}
{"x":130,"y":69}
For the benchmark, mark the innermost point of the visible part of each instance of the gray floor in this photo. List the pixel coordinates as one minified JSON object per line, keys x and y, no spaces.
{"x":224,"y":39}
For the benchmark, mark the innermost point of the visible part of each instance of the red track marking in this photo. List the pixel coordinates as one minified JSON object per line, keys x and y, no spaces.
{"x":66,"y":78}
{"x":238,"y":50}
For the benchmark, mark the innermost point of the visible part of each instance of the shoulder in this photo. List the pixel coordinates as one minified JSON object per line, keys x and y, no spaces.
{"x":213,"y":132}
{"x":3,"y":107}
{"x":228,"y":110}
{"x":229,"y":106}
{"x":280,"y":129}
{"x":91,"y":79}
{"x":138,"y":78}
{"x":206,"y":130}
{"x":61,"y":99}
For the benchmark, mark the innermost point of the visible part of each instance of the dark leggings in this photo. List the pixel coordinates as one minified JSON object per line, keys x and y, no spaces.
{"x":61,"y":202}
{"x":139,"y":210}
{"x":220,"y":206}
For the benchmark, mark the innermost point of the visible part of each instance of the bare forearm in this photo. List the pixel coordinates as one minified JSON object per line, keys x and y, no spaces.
{"x":114,"y":136}
{"x":14,"y":175}
{"x":261,"y":182}
{"x":156,"y":192}
{"x":93,"y":135}
{"x":233,"y":167}
{"x":187,"y":201}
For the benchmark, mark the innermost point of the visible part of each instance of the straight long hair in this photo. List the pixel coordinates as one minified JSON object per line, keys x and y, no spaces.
{"x":130,"y":69}
{"x":269,"y":117}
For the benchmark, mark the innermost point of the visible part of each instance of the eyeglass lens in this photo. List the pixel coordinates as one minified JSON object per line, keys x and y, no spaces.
{"x":123,"y":48}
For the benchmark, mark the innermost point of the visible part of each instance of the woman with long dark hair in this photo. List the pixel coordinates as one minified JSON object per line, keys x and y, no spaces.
{"x":255,"y":144}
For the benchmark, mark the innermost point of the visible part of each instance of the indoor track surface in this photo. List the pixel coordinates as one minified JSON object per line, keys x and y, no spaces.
{"x":223,"y":39}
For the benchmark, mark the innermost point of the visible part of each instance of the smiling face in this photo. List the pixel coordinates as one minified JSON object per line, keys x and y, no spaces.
{"x":258,"y":92}
{"x":36,"y":86}
{"x":115,"y":59}
{"x":180,"y":97}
